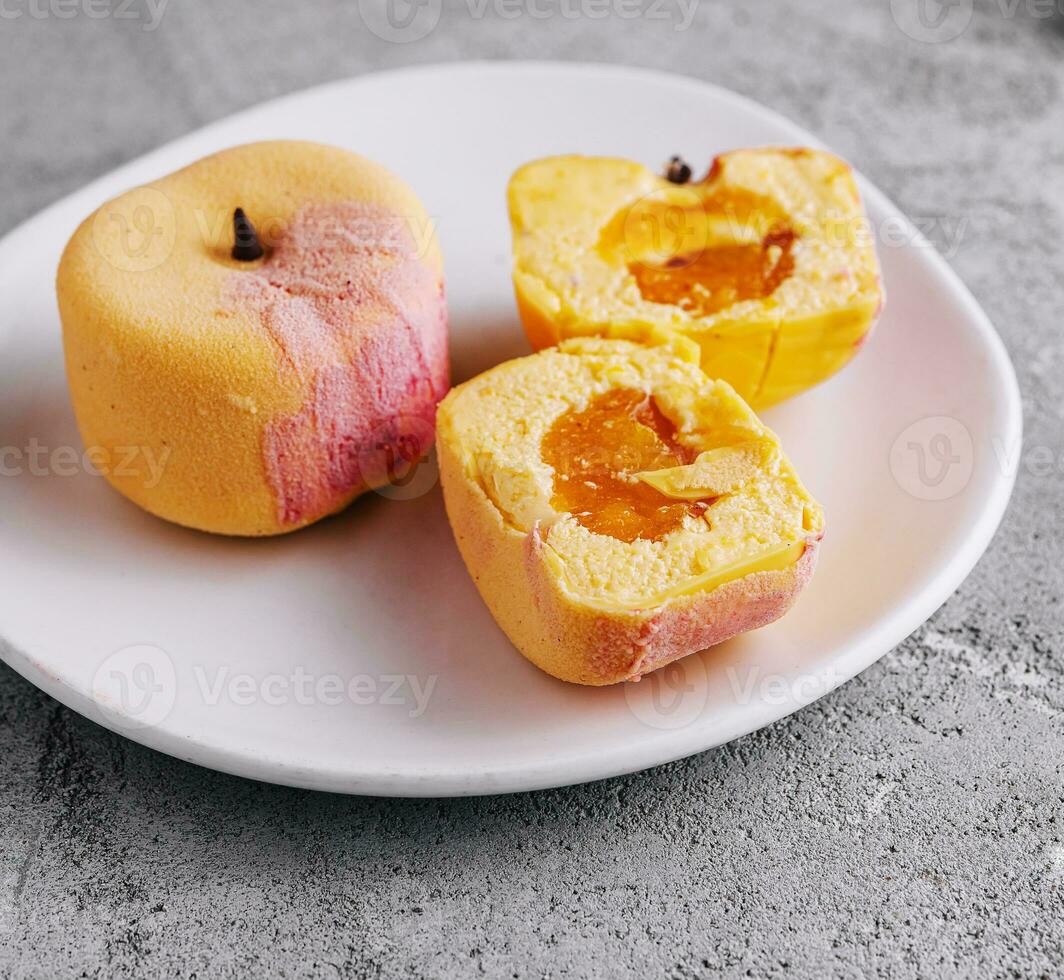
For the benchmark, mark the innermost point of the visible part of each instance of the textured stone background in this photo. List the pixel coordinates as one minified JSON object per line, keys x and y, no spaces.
{"x":911,"y":824}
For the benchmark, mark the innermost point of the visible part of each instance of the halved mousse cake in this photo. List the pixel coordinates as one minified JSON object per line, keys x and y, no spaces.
{"x":257,"y":339}
{"x":619,"y":509}
{"x":767,"y":263}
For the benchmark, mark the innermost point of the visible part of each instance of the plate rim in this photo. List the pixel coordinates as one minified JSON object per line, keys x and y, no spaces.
{"x":595,"y":764}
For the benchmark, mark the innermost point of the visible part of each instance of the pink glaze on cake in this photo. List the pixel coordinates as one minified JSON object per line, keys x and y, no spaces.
{"x":361,"y":320}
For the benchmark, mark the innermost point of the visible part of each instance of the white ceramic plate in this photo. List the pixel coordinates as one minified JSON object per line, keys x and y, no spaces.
{"x":356,"y":656}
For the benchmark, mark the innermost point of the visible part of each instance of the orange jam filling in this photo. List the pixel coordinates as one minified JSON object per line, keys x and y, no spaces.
{"x":704,"y":250}
{"x":719,"y":276}
{"x":595,"y":454}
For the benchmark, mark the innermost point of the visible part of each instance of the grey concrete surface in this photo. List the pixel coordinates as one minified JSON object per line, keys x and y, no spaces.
{"x":911,"y":824}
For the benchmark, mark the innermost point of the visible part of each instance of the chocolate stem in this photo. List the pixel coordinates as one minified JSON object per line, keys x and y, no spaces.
{"x":246,"y":247}
{"x":677,"y":171}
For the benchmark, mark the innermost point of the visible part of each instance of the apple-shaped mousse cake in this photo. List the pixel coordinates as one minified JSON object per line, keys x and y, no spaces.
{"x":619,"y":509}
{"x":767,"y":264}
{"x":253,"y":341}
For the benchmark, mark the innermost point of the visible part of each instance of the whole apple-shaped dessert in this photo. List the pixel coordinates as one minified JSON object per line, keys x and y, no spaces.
{"x":255,"y":340}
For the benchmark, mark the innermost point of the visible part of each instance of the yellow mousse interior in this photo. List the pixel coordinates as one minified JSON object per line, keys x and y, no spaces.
{"x":767,"y":264}
{"x":648,"y":479}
